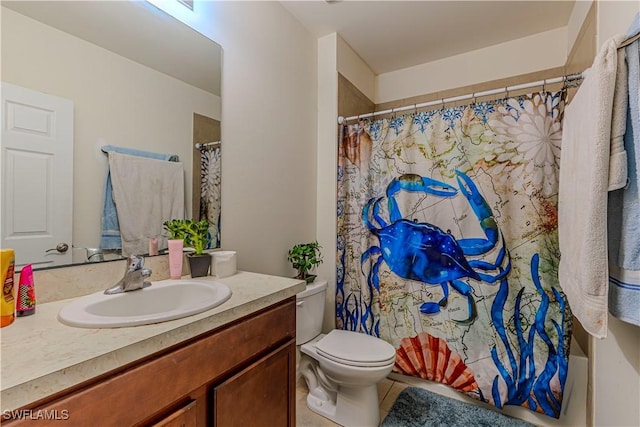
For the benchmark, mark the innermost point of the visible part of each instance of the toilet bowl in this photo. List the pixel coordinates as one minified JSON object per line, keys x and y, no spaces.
{"x":341,"y":368}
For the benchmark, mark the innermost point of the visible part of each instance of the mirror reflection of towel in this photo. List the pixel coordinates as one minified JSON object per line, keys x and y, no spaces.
{"x":146,"y":193}
{"x":110,"y":234}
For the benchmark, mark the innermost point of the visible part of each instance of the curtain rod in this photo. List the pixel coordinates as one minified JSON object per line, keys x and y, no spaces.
{"x":569,"y":80}
{"x":200,"y":146}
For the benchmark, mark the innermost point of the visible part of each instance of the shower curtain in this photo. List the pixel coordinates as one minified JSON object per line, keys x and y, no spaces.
{"x":448,"y":248}
{"x":210,"y":191}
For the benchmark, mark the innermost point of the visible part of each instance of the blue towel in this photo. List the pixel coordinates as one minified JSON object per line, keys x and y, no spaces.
{"x":624,"y":294}
{"x":110,"y":237}
{"x":624,"y":205}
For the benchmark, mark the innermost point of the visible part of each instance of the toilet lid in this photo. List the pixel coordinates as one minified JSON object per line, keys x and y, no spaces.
{"x":355,"y":349}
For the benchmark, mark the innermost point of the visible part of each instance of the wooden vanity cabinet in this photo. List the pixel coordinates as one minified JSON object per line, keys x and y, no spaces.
{"x":242,"y":374}
{"x":260,"y":395}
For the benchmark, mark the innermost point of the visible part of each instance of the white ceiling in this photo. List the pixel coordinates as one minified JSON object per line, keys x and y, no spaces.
{"x":392,"y":35}
{"x":388,"y":35}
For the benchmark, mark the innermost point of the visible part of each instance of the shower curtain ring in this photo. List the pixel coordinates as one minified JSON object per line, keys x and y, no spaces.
{"x":442,"y":100}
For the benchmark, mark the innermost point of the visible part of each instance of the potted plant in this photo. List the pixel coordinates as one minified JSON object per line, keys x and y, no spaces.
{"x":305,"y":257}
{"x":176,"y":228}
{"x":197,"y":236}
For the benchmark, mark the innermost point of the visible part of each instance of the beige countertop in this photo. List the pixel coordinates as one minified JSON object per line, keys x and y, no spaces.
{"x":41,"y":356}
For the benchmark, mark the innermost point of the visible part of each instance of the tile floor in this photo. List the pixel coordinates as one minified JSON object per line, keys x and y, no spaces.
{"x":388,"y":391}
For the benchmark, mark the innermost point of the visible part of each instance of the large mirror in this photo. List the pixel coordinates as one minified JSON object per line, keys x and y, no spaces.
{"x":136,"y":77}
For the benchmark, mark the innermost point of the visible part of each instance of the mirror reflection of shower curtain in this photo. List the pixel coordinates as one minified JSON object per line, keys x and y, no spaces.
{"x":210,"y":191}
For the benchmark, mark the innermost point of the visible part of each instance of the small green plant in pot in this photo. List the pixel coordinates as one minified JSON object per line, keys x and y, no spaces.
{"x":196,"y":235}
{"x":305,"y":257}
{"x":176,"y":228}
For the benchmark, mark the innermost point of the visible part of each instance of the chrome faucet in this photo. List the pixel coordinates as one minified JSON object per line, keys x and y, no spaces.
{"x":134,"y":276}
{"x":94,"y":255}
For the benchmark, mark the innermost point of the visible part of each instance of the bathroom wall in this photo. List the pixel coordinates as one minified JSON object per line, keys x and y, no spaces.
{"x":116,"y":102}
{"x":355,"y":70}
{"x":351,"y":101}
{"x":581,"y":34}
{"x":327,"y":92}
{"x":525,"y":55}
{"x":269,"y":107}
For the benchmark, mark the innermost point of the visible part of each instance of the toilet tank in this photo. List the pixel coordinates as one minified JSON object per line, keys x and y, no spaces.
{"x":310,"y":311}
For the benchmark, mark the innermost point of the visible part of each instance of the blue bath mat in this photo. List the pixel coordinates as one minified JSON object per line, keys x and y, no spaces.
{"x":416,"y":407}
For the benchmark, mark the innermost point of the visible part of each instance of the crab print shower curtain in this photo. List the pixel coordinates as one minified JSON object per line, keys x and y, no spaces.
{"x":448,"y":246}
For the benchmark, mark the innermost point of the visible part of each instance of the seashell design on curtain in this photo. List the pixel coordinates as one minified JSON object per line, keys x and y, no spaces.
{"x":430,"y":358}
{"x":447,"y":246}
{"x":210,"y":191}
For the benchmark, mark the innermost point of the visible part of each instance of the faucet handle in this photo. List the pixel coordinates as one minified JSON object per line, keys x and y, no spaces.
{"x":134,"y":262}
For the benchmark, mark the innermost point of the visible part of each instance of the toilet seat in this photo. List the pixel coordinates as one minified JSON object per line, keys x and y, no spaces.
{"x":355,"y":349}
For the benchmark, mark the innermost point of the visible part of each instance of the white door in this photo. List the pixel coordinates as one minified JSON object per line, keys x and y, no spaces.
{"x":37,"y":176}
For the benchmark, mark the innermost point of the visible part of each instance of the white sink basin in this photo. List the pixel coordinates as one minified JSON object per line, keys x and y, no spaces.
{"x":164,"y":300}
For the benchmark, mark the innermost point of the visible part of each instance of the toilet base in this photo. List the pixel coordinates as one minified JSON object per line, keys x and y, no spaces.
{"x":355,"y":406}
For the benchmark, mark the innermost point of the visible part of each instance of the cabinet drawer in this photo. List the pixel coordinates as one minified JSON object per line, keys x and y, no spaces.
{"x":129,"y":396}
{"x":183,"y":417}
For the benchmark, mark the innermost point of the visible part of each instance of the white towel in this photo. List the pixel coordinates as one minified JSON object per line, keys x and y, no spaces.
{"x":618,"y":154}
{"x":146,"y":192}
{"x":584,"y":182}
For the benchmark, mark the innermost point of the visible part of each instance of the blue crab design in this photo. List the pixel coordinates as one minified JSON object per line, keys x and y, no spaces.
{"x":424,"y":252}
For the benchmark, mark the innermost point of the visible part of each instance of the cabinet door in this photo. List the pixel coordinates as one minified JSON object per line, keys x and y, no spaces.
{"x":263,"y":394}
{"x":183,"y":417}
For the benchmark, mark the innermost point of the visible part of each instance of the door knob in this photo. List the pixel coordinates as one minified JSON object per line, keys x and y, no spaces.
{"x":61,"y":247}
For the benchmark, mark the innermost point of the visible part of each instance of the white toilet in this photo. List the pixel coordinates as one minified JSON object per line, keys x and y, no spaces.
{"x":341,"y":368}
